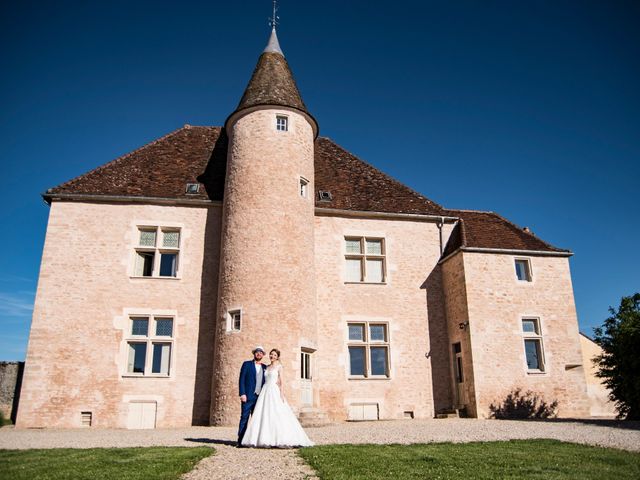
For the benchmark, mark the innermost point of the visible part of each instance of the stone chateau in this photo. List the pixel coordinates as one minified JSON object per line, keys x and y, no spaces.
{"x":163,"y":268}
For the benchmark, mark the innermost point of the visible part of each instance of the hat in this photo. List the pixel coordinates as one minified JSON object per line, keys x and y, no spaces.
{"x":258,"y":349}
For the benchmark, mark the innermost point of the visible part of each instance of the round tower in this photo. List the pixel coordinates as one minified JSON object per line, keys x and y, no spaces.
{"x":266,"y":290}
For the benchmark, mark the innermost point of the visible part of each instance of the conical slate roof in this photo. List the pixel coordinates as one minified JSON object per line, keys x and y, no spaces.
{"x":272,"y":82}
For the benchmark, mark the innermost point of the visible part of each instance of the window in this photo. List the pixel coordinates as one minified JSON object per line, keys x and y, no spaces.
{"x":304,"y":185}
{"x":234,"y":320}
{"x":523,"y":269}
{"x":368,"y":349}
{"x":157,"y":252}
{"x":282,"y":123}
{"x":533,"y":344}
{"x":365,"y":260}
{"x":305,"y":365}
{"x":149,"y":346}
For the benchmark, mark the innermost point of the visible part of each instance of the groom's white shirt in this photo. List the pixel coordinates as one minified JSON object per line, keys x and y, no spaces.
{"x":258,"y":377}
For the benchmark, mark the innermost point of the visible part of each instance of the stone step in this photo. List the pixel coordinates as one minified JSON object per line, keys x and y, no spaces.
{"x":312,"y":417}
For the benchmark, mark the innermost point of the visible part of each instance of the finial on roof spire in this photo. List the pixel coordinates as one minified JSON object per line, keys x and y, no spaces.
{"x":274,"y":46}
{"x":273,"y":21}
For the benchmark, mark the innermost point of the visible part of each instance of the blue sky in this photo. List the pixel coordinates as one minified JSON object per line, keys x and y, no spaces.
{"x":530,"y":109}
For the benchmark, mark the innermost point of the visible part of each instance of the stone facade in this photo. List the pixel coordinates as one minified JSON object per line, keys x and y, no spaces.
{"x":496,"y":303}
{"x":599,"y":403}
{"x":77,"y":355}
{"x":418,"y":359}
{"x":267,"y":260}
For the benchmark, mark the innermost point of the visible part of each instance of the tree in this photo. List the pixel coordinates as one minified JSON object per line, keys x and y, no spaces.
{"x":619,"y":364}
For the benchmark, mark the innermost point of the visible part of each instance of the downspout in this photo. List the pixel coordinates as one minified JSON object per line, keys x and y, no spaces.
{"x":440,"y":224}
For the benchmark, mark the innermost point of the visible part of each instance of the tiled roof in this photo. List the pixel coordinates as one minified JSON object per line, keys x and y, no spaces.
{"x":162,"y":168}
{"x":356,"y":185}
{"x":478,"y":229}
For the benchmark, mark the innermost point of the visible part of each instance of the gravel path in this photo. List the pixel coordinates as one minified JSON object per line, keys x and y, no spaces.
{"x":233,"y":463}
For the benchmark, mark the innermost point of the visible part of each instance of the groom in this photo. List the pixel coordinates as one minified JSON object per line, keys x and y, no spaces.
{"x":251,"y":381}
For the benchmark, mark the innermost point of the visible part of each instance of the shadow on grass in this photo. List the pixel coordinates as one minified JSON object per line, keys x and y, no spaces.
{"x":209,"y":441}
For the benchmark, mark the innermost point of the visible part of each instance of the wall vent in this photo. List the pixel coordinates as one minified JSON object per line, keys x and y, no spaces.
{"x":87,"y":418}
{"x":325,"y":196}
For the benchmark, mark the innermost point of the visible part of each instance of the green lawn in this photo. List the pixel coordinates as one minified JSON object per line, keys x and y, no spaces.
{"x":100,"y":463}
{"x":518,"y":459}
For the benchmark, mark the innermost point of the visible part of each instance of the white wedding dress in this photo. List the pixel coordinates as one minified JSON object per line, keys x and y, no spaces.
{"x":273,"y":424}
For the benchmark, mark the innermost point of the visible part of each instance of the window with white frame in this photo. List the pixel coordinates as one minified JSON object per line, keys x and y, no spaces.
{"x":365,"y":260}
{"x":523,"y":269}
{"x":282,"y":123}
{"x":533,"y":347}
{"x":368,"y":350}
{"x":149,"y":345}
{"x":305,"y":364}
{"x":304,"y":186}
{"x":234,"y":320}
{"x":157,"y":252}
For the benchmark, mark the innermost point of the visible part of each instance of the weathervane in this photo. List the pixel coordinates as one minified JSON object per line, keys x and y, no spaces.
{"x":273,"y":21}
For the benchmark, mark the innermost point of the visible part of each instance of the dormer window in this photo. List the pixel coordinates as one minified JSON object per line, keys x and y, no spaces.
{"x":192,"y":188}
{"x":282,"y":123}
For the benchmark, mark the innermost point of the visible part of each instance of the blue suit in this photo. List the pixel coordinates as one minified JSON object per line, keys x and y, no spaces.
{"x":247,"y":386}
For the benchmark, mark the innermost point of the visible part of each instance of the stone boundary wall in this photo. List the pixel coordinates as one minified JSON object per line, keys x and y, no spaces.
{"x":10,"y":381}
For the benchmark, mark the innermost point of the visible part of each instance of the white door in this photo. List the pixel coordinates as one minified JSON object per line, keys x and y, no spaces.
{"x":142,"y":415}
{"x":306,"y":378}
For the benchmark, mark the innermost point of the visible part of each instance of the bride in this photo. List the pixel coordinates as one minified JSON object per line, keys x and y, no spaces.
{"x":273,"y":424}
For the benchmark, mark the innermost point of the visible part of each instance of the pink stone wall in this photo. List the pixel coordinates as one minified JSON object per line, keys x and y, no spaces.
{"x":76,"y":358}
{"x":599,"y":403}
{"x":497,"y":302}
{"x":267,"y":259}
{"x":416,"y":325}
{"x":457,"y":312}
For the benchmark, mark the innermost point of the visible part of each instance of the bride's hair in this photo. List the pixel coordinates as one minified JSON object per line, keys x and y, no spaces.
{"x":276,"y":350}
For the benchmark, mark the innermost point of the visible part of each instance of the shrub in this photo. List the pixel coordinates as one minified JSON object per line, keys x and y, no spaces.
{"x":619,"y":364}
{"x":2,"y":419}
{"x":519,"y":406}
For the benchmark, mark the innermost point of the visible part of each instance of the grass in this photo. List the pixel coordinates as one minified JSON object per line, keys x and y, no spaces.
{"x":100,"y":463}
{"x":517,"y":459}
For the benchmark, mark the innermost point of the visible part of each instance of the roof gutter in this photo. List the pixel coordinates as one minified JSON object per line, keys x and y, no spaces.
{"x":416,"y":217}
{"x":49,"y":197}
{"x":506,"y":251}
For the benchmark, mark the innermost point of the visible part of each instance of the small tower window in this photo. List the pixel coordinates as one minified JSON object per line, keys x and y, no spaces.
{"x":304,"y":186}
{"x":234,"y":320}
{"x":282,"y":123}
